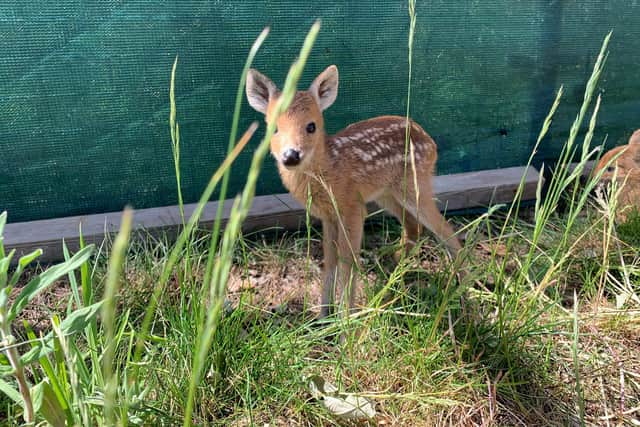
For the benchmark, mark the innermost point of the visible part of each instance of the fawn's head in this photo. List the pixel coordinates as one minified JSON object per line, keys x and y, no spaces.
{"x":300,"y":130}
{"x":628,"y":161}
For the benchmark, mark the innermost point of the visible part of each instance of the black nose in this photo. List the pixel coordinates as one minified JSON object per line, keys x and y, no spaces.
{"x":291,"y":157}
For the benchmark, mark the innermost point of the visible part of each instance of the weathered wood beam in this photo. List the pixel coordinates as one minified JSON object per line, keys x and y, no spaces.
{"x":453,"y":192}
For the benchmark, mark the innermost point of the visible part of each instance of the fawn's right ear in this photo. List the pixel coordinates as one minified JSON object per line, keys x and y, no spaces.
{"x":259,"y":90}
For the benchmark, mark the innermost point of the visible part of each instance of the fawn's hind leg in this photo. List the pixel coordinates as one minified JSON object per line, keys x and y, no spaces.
{"x":428,"y":215}
{"x":411,"y":228}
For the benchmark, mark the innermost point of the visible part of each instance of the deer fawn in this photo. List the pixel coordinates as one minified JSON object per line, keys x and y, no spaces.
{"x":628,"y":164}
{"x":364,"y":162}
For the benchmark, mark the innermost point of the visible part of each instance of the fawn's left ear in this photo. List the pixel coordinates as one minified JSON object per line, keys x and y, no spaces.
{"x":325,"y":87}
{"x":635,"y":138}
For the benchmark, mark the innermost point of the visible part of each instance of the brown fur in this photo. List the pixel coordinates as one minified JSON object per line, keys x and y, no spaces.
{"x":362,"y":163}
{"x":628,"y":173}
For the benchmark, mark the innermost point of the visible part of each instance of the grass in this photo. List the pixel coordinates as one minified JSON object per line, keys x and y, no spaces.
{"x":218,"y":329}
{"x":472,"y":370}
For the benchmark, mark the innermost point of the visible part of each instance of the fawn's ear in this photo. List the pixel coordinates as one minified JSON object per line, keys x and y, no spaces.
{"x":325,"y":87}
{"x":259,"y":89}
{"x":635,"y":138}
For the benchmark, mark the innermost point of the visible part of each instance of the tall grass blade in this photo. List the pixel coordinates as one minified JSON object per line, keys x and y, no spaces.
{"x":175,"y":137}
{"x":114,"y":273}
{"x":213,"y":247}
{"x":412,"y":27}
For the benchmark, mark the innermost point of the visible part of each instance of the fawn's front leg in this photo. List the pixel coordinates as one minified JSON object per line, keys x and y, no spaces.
{"x":349,"y":245}
{"x":329,"y":241}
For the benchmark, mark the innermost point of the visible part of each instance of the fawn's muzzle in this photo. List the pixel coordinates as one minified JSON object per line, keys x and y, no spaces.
{"x":291,"y":157}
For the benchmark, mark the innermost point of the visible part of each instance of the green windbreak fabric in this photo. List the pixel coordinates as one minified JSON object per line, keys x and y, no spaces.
{"x":84,"y":86}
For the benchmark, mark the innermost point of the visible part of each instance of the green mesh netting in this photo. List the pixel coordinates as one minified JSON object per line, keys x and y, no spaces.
{"x":84,"y":86}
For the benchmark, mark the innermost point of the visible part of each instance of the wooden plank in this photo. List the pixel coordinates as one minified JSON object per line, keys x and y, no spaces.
{"x":48,"y":234}
{"x":484,"y":188}
{"x":588,"y":167}
{"x":452,"y":192}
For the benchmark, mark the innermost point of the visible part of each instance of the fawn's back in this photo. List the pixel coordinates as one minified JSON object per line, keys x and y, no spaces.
{"x":371,"y":154}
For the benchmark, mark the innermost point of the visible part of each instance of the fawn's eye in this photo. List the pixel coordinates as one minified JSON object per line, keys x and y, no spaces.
{"x":311,"y":127}
{"x":610,"y":169}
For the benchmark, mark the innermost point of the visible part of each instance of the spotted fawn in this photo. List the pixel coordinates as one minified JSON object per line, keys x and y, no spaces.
{"x":369,"y":161}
